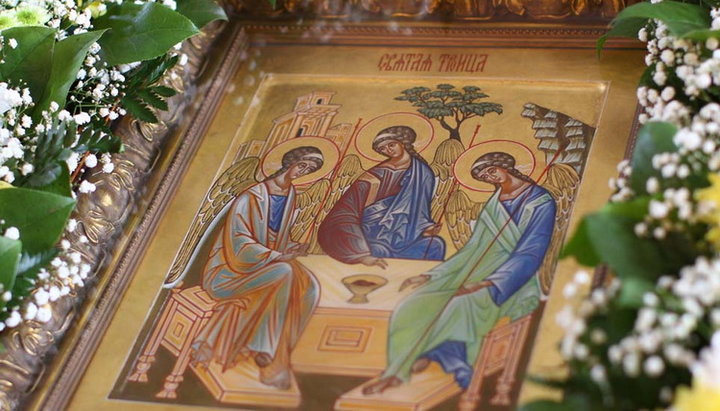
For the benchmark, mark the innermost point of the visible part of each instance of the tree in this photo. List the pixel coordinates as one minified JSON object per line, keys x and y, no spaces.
{"x":448,"y":104}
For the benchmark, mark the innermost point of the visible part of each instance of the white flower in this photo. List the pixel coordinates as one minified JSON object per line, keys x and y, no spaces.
{"x":82,"y":118}
{"x":668,"y":93}
{"x":582,"y":277}
{"x":86,"y":187}
{"x":91,"y":161}
{"x":12,"y":233}
{"x":54,"y":293}
{"x":108,"y":167}
{"x":667,"y":56}
{"x":44,"y":314}
{"x":30,"y":311}
{"x":654,"y":366}
{"x":688,"y":139}
{"x":71,"y":225}
{"x":658,"y":209}
{"x":13,"y":320}
{"x":41,"y":296}
{"x":570,"y":290}
{"x":26,"y":169}
{"x":12,"y":43}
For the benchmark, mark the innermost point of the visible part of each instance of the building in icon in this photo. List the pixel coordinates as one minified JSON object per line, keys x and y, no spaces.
{"x":312,"y":115}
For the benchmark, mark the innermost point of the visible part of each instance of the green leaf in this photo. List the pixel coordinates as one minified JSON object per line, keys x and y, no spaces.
{"x":632,"y":291}
{"x":580,"y":246}
{"x":99,"y":141}
{"x":61,"y":184}
{"x":612,"y":237}
{"x":702,"y":35}
{"x":39,"y":216}
{"x":30,"y":265}
{"x":9,"y":257}
{"x":163,"y":91}
{"x":66,"y":62}
{"x":141,"y":32}
{"x":30,"y":60}
{"x":628,"y":27}
{"x":653,"y":138}
{"x":680,"y":18}
{"x":201,"y":12}
{"x":152,"y":99}
{"x":139,"y":110}
{"x":608,"y":236}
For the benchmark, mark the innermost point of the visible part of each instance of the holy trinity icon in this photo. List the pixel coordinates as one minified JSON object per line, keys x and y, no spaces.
{"x":408,"y":265}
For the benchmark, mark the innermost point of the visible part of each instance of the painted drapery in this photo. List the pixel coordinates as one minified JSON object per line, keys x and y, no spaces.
{"x":265,"y":303}
{"x":507,"y":247}
{"x":384,"y":214}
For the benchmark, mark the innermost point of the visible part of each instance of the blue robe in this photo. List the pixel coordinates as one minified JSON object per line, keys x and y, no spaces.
{"x":384,"y":214}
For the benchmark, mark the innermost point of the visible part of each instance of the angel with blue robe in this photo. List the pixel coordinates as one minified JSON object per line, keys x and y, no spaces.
{"x":492,"y":276}
{"x":386,"y":212}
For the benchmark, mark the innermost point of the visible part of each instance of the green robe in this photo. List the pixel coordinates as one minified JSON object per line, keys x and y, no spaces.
{"x":433,"y":315}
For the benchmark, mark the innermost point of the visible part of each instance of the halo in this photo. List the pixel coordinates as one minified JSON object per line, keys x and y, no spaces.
{"x":422,"y":126}
{"x":524,"y":162}
{"x":272,"y":161}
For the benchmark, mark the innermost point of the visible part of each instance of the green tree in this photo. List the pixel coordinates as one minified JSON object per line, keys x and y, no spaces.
{"x":449,"y":106}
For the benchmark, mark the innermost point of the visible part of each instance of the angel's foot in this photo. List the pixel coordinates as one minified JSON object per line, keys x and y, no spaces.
{"x":420,"y":365}
{"x":381,"y":385}
{"x":263,"y":359}
{"x":280,"y":380}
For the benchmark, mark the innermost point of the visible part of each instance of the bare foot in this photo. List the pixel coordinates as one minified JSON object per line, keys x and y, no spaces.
{"x":420,"y":365}
{"x":381,"y":385}
{"x":263,"y":359}
{"x":280,"y":380}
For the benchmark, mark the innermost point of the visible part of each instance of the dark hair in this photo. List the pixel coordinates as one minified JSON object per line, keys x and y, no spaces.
{"x":402,"y":134}
{"x":295,"y":155}
{"x":498,"y":159}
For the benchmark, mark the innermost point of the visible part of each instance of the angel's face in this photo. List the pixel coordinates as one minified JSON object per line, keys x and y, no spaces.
{"x":301,"y":168}
{"x":391,"y":148}
{"x":492,"y":175}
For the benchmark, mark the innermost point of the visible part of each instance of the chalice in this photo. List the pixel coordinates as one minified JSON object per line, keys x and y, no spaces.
{"x":360,"y":285}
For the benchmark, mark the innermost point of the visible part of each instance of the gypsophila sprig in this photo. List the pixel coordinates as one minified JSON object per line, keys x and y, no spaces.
{"x":61,"y":90}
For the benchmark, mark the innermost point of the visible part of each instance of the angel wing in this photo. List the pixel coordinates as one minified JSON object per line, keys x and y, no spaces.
{"x":232,"y":182}
{"x":445,"y":156}
{"x":308,"y":204}
{"x":460,"y":216}
{"x":348,"y":171}
{"x":562,"y":182}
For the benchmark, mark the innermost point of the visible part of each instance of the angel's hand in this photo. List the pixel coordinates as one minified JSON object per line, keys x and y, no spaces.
{"x":471,"y":288}
{"x":300,"y":249}
{"x":371,"y":261}
{"x":414,"y":282}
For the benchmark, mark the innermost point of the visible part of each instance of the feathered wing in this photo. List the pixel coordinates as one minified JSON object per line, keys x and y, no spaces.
{"x":562,"y":182}
{"x":460,"y":217}
{"x":307,"y":207}
{"x":237,"y":178}
{"x":445,"y":183}
{"x":348,"y":171}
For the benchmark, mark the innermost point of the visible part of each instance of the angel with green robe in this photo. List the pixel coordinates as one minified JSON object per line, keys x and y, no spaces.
{"x":494,"y":275}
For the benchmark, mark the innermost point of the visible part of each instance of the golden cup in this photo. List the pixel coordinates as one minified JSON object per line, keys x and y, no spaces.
{"x":360,"y":285}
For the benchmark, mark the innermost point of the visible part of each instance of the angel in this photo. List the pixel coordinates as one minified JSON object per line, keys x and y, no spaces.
{"x":494,"y":274}
{"x":265,"y":296}
{"x":386,"y":212}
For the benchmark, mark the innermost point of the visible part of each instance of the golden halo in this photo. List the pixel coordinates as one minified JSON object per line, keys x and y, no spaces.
{"x":272,"y":161}
{"x":524,"y":162}
{"x":422,"y":126}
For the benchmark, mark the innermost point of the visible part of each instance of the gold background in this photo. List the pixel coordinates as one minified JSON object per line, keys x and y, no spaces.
{"x":600,"y":93}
